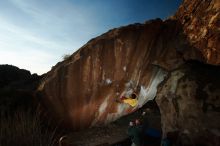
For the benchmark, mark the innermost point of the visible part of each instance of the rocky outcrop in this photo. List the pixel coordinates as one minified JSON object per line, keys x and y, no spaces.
{"x":189,"y":103}
{"x":200,"y":23}
{"x":85,"y":88}
{"x":14,"y":78}
{"x":17,"y":89}
{"x":10,"y":74}
{"x":189,"y":96}
{"x":152,"y":60}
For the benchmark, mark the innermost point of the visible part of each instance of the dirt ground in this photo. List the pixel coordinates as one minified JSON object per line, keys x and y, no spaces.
{"x":114,"y":134}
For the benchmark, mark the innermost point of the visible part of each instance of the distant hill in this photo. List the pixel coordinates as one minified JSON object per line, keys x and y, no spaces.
{"x":17,"y":88}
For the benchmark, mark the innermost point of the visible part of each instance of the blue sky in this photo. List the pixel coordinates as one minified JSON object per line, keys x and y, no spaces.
{"x":35,"y":34}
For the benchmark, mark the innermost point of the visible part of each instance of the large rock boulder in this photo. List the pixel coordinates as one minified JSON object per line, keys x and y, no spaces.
{"x":189,"y":96}
{"x":200,"y":21}
{"x":189,"y":104}
{"x":83,"y":89}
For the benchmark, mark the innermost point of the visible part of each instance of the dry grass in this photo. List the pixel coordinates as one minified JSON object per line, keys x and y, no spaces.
{"x":24,"y":128}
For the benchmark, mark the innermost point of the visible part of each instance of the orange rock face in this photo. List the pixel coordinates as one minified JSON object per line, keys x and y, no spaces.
{"x":201,"y":24}
{"x":84,"y":89}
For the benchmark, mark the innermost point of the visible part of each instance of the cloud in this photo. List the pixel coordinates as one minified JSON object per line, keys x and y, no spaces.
{"x":35,"y":34}
{"x":59,"y":16}
{"x":25,"y":50}
{"x":39,"y":42}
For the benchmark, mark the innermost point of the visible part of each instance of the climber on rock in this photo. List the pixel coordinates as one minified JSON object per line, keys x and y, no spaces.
{"x":131,"y":100}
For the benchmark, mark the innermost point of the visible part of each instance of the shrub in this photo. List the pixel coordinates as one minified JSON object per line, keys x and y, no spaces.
{"x":66,"y":56}
{"x":24,"y":128}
